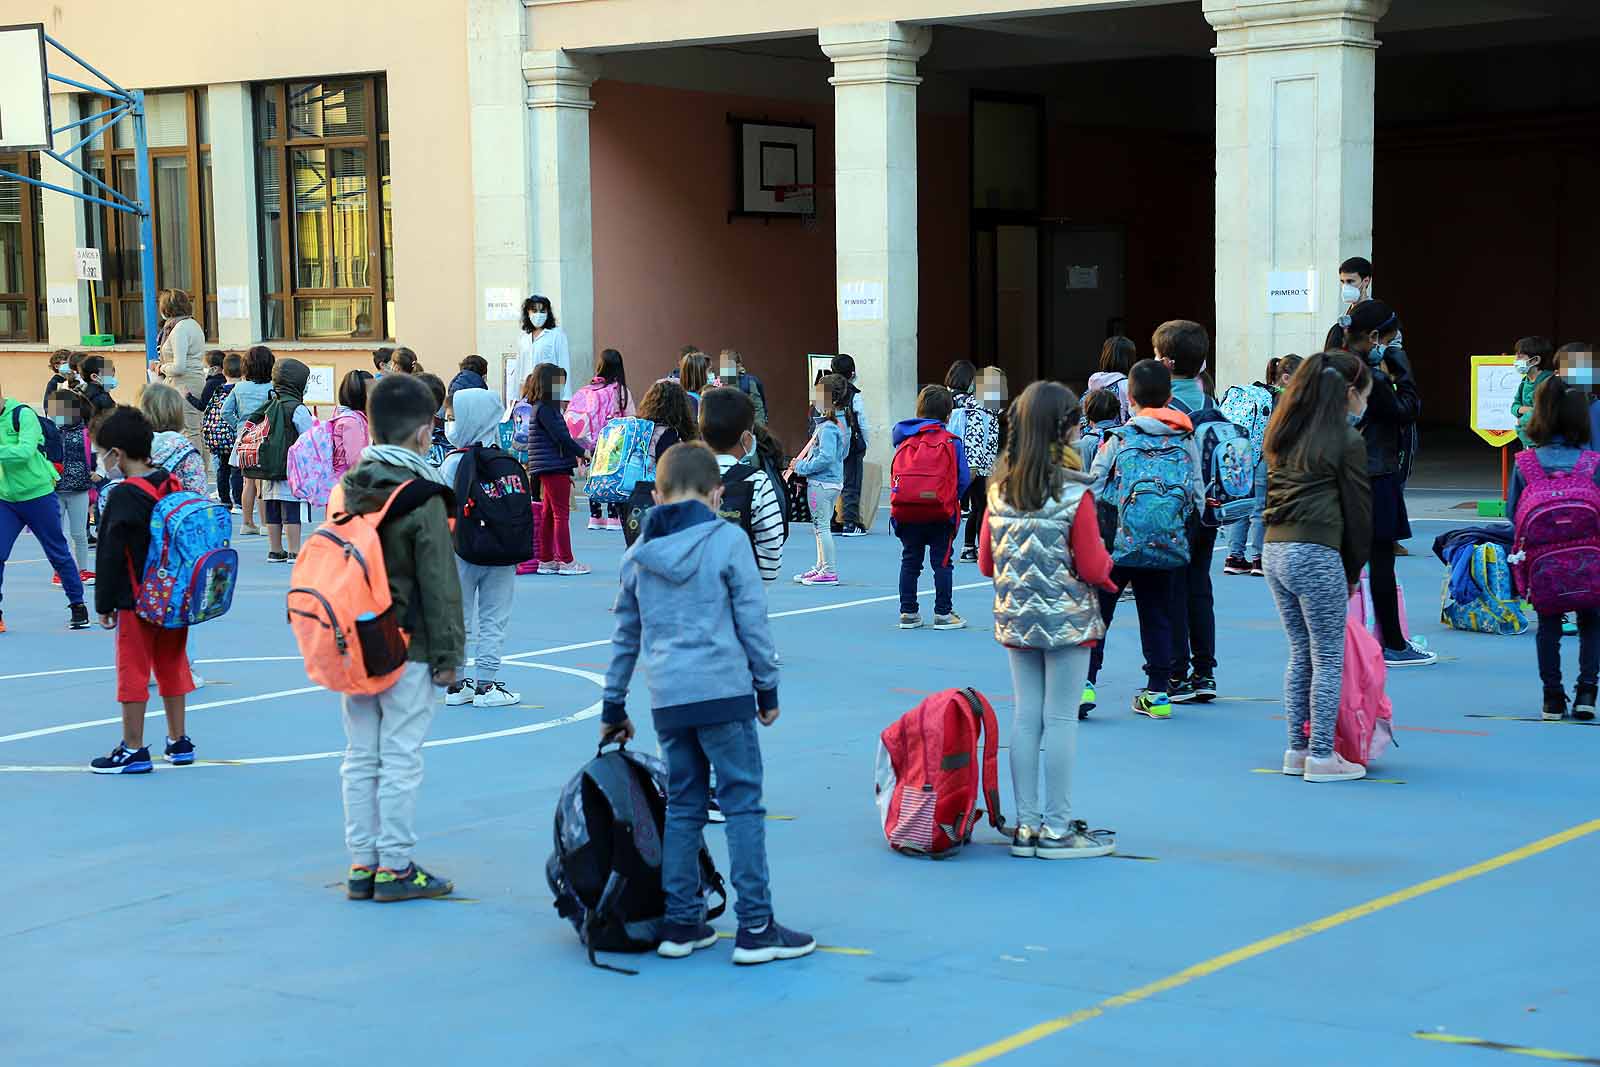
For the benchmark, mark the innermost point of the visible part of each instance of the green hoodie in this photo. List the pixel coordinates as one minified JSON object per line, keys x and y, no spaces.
{"x":421,"y":563}
{"x":24,"y":472}
{"x":1525,"y":391}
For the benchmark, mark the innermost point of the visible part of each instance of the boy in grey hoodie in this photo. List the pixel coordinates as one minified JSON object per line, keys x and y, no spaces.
{"x":691,"y":601}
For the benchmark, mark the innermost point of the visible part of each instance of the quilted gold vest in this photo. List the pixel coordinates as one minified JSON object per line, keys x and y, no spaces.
{"x":1039,"y":600}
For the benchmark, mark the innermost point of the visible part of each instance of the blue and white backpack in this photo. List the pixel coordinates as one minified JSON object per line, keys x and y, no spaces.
{"x":1149,"y":488}
{"x":1227,"y":464}
{"x":624,"y":456}
{"x":190,"y":572}
{"x":1250,"y":406}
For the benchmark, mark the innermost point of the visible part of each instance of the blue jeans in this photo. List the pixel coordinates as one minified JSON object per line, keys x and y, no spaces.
{"x":1246,"y":535}
{"x":936,"y":540}
{"x":733,"y":749}
{"x":42,"y":515}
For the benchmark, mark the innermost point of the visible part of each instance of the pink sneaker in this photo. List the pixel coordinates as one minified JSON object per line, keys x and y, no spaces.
{"x":802,"y":579}
{"x":1335,"y":768}
{"x":614,"y":524}
{"x":820,"y":578}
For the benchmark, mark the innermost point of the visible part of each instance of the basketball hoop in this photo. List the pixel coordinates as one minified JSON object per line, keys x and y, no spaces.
{"x":804,"y":200}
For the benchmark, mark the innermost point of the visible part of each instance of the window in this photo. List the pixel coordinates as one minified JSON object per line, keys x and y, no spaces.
{"x":21,"y":252}
{"x":177,"y":127}
{"x":327,"y":246}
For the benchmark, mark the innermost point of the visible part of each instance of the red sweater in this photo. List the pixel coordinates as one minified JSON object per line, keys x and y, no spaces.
{"x":1089,"y":556}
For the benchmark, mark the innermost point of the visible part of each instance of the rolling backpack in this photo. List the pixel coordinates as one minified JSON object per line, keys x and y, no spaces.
{"x":344,"y":621}
{"x":52,"y":447}
{"x":214,"y":429}
{"x":322,"y":455}
{"x":1250,"y":407}
{"x":1145,"y":515}
{"x":590,"y":409}
{"x":494,"y":517}
{"x":928,"y":777}
{"x":924,"y":485}
{"x":190,"y":571}
{"x":266,"y":438}
{"x":605,"y":870}
{"x":624,"y":456}
{"x":1557,"y":556}
{"x":1227,"y":466}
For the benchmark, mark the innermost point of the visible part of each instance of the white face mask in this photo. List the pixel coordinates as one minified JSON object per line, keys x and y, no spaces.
{"x":1349,"y":293}
{"x":1524,"y":365}
{"x":539,"y":318}
{"x":109,"y":470}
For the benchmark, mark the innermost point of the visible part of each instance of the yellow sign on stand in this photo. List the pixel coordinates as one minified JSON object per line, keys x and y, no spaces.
{"x":1494,"y":390}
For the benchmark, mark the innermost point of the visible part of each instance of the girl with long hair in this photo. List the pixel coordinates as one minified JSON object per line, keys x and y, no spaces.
{"x":610,"y":381}
{"x":552,"y":457}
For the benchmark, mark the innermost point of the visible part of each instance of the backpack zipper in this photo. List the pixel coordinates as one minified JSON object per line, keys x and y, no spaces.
{"x":332,"y":621}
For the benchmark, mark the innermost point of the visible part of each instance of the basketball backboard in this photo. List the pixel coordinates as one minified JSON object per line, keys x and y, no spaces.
{"x":24,"y":88}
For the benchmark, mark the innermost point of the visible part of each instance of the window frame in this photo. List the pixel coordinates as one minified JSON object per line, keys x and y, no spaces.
{"x":29,"y":215}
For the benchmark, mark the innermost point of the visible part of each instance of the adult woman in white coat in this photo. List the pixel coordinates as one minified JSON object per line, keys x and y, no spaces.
{"x":542,"y":341}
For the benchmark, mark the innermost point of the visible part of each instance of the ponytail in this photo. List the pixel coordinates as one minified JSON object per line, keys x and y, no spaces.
{"x":1310,"y":421}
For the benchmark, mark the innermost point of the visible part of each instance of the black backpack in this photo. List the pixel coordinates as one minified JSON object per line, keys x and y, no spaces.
{"x":858,"y":442}
{"x":494,"y":517}
{"x":635,"y":508}
{"x":51,"y":447}
{"x":739,"y":500}
{"x":605,"y":871}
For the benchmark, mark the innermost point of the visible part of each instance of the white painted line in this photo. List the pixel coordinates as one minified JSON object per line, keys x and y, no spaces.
{"x":156,"y":714}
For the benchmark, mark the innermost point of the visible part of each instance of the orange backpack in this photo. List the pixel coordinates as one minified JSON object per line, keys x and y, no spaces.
{"x":339,"y":605}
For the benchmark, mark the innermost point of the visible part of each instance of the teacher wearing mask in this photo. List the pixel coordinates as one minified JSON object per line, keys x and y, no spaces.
{"x":542,"y":341}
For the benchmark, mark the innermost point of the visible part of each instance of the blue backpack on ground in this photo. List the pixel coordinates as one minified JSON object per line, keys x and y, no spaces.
{"x":624,"y":456}
{"x":1227,"y":464}
{"x":1148,"y":490}
{"x":1478,"y":593}
{"x":51,"y":447}
{"x":1250,"y":407}
{"x":190,"y":572}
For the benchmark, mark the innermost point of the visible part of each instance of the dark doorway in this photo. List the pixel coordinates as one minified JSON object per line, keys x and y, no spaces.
{"x":1085,"y":298}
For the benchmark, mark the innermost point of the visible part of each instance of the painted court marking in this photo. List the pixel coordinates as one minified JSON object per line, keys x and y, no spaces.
{"x":1040,"y":1031}
{"x":836,"y":950}
{"x":1496,"y":1046}
{"x":1274,"y":770}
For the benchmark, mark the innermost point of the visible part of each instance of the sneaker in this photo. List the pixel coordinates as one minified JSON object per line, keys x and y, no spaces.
{"x":773,"y":943}
{"x":78,"y":616}
{"x":86,"y":577}
{"x":1583,"y":703}
{"x":679,"y":940}
{"x":250,"y":528}
{"x":1294,"y":760}
{"x":179,"y":753}
{"x":1555,"y":705}
{"x":55,"y":579}
{"x":409,"y":884}
{"x":1181,"y":691}
{"x":195,"y":679}
{"x":852,"y":530}
{"x":800,"y":579}
{"x":1235,"y":565}
{"x":821,"y":578}
{"x":969,"y":555}
{"x":460,"y":693}
{"x":836,"y":527}
{"x":910,"y":620}
{"x":614,"y":525}
{"x":1258,"y":569}
{"x":1333,"y":768}
{"x":1569,"y":628}
{"x":1410,"y":656}
{"x":573,"y":570}
{"x":122,"y":761}
{"x":359,"y":883}
{"x":597,"y":524}
{"x":1078,"y":843}
{"x":548,"y":568}
{"x":714,"y":808}
{"x":277,"y":557}
{"x":951,"y":621}
{"x":1204,"y":687}
{"x":495,"y":695}
{"x":1024,"y":842}
{"x":1152,"y":705}
{"x":2,"y":623}
{"x":1086,"y":705}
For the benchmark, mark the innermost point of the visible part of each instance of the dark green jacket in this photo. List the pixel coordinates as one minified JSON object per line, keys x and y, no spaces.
{"x":1324,"y":503}
{"x":422,"y":566}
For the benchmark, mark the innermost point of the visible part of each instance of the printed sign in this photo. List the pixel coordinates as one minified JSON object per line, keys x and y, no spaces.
{"x":1292,"y":292}
{"x":1083,"y":277}
{"x":319,"y":387}
{"x":1494,"y":390}
{"x":233,"y":302}
{"x":64,"y":300}
{"x":860,"y":301}
{"x":815,"y":365}
{"x":88,"y":260}
{"x":501,"y":305}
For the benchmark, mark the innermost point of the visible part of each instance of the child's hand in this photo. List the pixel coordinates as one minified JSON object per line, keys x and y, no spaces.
{"x":444,"y":677}
{"x":767,"y":718}
{"x":621,"y":732}
{"x":108,"y":622}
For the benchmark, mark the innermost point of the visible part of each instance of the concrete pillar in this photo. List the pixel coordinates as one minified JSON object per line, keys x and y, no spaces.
{"x":1295,"y":82}
{"x":875,"y":168}
{"x":561,"y":232}
{"x":64,"y":230}
{"x":236,"y":223}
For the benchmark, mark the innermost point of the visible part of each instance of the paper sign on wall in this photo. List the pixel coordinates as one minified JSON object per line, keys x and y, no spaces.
{"x":501,"y":305}
{"x":88,"y":264}
{"x":1291,"y":292}
{"x":1494,"y":390}
{"x":860,"y":301}
{"x":1083,"y":277}
{"x":319,"y":386}
{"x":233,"y":302}
{"x":64,"y":300}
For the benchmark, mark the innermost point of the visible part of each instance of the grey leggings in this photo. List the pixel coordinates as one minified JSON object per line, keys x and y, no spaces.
{"x":1309,"y":585}
{"x":75,"y":523}
{"x":1048,"y":686}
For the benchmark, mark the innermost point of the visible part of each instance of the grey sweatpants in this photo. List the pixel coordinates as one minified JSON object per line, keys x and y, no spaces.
{"x":1309,"y":585}
{"x":382,"y":768}
{"x":75,"y":523}
{"x":1047,"y":687}
{"x":486,"y":597}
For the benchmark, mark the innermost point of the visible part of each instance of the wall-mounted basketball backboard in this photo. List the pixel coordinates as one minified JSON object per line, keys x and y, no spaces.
{"x":24,"y":88}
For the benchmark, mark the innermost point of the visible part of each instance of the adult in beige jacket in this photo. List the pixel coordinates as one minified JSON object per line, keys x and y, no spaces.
{"x":183,"y":357}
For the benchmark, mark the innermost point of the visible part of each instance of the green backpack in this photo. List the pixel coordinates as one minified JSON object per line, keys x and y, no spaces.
{"x":265,"y":438}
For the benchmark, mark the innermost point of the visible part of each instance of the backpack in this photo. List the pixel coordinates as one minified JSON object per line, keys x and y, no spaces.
{"x":190,"y":571}
{"x":590,"y":409}
{"x":1114,"y":382}
{"x":858,"y":440}
{"x":1478,"y":593}
{"x":739,"y":500}
{"x":1558,"y":535}
{"x":266,"y":438}
{"x":322,"y":455}
{"x":624,"y":456}
{"x":605,"y":869}
{"x":635,"y":508}
{"x":1146,"y":512}
{"x":214,"y":429}
{"x":1227,"y":466}
{"x":1365,"y":728}
{"x":1250,"y":406}
{"x":339,"y":607}
{"x":927,"y":776}
{"x":52,"y":447}
{"x":522,"y":419}
{"x":924,"y":485}
{"x":494,"y":517}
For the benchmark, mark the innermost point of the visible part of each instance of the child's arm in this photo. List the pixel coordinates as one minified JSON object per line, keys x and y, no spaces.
{"x":830,"y":449}
{"x":1355,"y":500}
{"x":1104,"y":461}
{"x":624,"y":650}
{"x":750,"y":622}
{"x":113,"y":582}
{"x":439,"y":588}
{"x":1089,"y":556}
{"x":26,"y":443}
{"x":963,"y":474}
{"x":766,"y":527}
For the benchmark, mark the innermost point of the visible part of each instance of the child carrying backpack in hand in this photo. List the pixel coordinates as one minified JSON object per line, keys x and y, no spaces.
{"x":928,"y":478}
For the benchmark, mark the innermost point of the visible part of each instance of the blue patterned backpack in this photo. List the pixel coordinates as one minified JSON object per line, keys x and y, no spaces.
{"x":624,"y":456}
{"x":190,"y":572}
{"x":1478,"y":593}
{"x":1149,"y":488}
{"x":1227,"y":465}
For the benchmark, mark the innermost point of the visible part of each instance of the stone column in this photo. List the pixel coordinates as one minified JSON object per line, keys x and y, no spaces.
{"x":1295,"y":82}
{"x":236,"y":222}
{"x":561,"y":219}
{"x":64,"y":230}
{"x":875,"y":169}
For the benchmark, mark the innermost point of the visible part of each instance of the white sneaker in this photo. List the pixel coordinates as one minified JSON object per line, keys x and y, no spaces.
{"x":460,"y":693}
{"x":1078,"y":842}
{"x":548,"y":568}
{"x":1333,"y":768}
{"x":1294,"y":760}
{"x":572,"y":569}
{"x":496,"y":696}
{"x":194,"y":676}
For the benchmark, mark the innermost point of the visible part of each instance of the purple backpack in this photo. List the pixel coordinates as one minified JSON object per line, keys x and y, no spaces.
{"x":1557,"y":559}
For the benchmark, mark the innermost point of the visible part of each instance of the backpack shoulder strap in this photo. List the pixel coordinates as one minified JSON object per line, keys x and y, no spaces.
{"x":410,"y":496}
{"x":738,"y":473}
{"x":1530,"y":468}
{"x":991,"y":746}
{"x":466,"y":471}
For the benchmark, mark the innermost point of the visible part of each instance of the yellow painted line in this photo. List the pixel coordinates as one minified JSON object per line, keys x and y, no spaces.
{"x":1274,"y":770}
{"x":1496,"y":1046}
{"x":781,"y":818}
{"x":1040,"y":1031}
{"x":837,"y":950}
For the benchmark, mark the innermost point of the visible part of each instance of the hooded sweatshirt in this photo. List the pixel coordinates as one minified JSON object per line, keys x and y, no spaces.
{"x":691,"y":602}
{"x":24,"y":472}
{"x":1157,"y":422}
{"x":906,"y":429}
{"x":477,"y":423}
{"x":467,"y":379}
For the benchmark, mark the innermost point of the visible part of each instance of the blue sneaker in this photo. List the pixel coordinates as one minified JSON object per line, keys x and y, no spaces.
{"x":179,"y":753}
{"x":1410,"y":656}
{"x":122,"y":761}
{"x":773,"y":943}
{"x":681,"y":939}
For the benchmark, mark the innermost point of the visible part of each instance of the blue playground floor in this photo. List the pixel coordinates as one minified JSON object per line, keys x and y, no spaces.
{"x":195,"y":916}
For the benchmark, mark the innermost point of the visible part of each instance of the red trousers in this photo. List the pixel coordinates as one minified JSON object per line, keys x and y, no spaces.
{"x":143,"y":648}
{"x":555,"y":540}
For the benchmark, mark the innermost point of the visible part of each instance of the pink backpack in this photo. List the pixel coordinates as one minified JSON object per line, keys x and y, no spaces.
{"x":324,"y":453}
{"x":1366,"y":718}
{"x":591,"y":408}
{"x":1557,"y":558}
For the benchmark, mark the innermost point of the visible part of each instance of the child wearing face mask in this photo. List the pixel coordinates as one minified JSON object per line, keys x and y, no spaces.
{"x":60,"y":374}
{"x":28,"y":501}
{"x":71,"y":412}
{"x":727,"y":424}
{"x":1536,"y":361}
{"x":99,"y":378}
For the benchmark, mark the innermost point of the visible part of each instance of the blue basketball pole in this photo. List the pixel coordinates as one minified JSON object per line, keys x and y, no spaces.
{"x":147,"y":238}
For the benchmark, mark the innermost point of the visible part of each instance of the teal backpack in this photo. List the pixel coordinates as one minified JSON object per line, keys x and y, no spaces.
{"x":1149,"y":488}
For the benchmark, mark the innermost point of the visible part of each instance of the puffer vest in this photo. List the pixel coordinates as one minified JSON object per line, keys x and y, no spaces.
{"x":1039,"y":601}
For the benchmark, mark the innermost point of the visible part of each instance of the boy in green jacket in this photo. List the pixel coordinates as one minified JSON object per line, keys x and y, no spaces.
{"x":28,"y":500}
{"x":1536,"y":358}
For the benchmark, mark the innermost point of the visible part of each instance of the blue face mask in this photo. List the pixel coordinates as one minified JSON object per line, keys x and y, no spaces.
{"x":109,"y":381}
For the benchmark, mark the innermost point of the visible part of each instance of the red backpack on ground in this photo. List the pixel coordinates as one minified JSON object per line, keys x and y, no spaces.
{"x":923,"y":480}
{"x":927,"y":774}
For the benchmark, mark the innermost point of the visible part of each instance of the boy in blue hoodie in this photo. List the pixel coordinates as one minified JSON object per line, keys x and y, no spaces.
{"x":691,"y":601}
{"x":910,"y":517}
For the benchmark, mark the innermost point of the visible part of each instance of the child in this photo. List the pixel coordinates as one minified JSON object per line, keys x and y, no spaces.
{"x":1536,"y":361}
{"x":1245,"y":535}
{"x":691,"y":602}
{"x":28,"y":501}
{"x":218,"y":435}
{"x":1154,"y":428}
{"x":552,"y":457}
{"x":99,"y":378}
{"x":611,"y":377}
{"x":382,"y":767}
{"x":727,"y":423}
{"x":60,"y":374}
{"x":667,"y":405}
{"x":472,"y":375}
{"x":1559,"y":432}
{"x":922,"y":534}
{"x":214,"y":379}
{"x":1319,"y":534}
{"x":694,"y":372}
{"x":976,"y":420}
{"x":71,"y":410}
{"x":854,"y":410}
{"x":486,"y":591}
{"x":280,"y":507}
{"x":1117,"y":357}
{"x":1102,"y":411}
{"x":163,"y":408}
{"x":143,"y":648}
{"x":822,"y":463}
{"x":1041,"y":545}
{"x":439,"y":445}
{"x":243,"y":400}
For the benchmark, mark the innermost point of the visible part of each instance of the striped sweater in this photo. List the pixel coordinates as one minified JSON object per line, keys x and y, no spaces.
{"x":766,"y":527}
